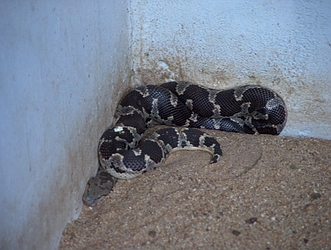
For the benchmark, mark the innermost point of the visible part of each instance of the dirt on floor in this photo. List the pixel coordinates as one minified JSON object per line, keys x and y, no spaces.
{"x":267,"y":192}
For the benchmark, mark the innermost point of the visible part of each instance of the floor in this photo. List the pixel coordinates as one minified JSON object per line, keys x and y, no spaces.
{"x":267,"y":192}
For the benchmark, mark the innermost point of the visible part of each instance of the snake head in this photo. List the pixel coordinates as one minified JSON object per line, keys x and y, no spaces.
{"x":98,"y":186}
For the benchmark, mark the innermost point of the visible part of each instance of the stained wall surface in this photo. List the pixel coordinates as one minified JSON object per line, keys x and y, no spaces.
{"x":285,"y":45}
{"x":61,"y":62}
{"x":64,"y":65}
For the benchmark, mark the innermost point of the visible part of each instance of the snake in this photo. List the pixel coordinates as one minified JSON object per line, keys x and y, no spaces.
{"x":125,"y":152}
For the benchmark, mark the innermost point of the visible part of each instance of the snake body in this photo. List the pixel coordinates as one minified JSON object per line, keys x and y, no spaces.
{"x":125,"y":153}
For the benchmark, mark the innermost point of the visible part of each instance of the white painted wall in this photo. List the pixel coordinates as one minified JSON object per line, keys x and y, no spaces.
{"x":285,"y":45}
{"x":64,"y":65}
{"x":61,"y":61}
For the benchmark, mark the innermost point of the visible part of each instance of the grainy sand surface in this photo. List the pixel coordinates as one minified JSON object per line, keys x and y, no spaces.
{"x":267,"y":192}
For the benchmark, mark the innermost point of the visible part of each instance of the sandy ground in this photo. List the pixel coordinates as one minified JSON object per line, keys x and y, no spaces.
{"x":267,"y":192}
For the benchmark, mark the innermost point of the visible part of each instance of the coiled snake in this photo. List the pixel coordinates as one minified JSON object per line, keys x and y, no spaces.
{"x":124,"y":153}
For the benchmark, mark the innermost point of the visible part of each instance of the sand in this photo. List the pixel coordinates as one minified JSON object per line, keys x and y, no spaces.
{"x":267,"y":192}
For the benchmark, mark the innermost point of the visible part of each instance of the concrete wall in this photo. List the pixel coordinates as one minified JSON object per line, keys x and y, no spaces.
{"x":61,"y":62}
{"x":65,"y":64}
{"x":285,"y":45}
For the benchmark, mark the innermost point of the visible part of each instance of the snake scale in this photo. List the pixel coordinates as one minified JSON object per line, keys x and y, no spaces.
{"x":125,"y":153}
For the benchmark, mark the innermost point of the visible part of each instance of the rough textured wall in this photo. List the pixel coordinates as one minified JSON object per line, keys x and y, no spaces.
{"x":60,"y":63}
{"x":285,"y":45}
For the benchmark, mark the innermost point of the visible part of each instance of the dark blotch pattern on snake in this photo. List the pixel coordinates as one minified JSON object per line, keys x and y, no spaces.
{"x":124,"y":152}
